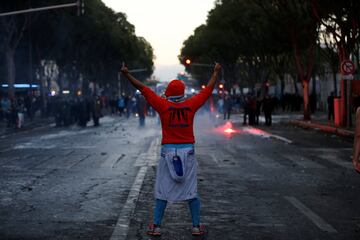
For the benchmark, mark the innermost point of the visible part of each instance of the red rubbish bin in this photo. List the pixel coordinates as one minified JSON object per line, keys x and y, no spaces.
{"x":337,"y":111}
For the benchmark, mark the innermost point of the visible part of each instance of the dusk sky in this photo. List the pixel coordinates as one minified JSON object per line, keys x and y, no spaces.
{"x":165,"y":25}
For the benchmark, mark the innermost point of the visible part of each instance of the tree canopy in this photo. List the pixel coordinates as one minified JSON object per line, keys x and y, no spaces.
{"x":256,"y":39}
{"x":92,"y":45}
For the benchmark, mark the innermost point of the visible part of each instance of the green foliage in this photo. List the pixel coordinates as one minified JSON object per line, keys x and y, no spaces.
{"x":239,"y":35}
{"x":93,"y":44}
{"x":253,"y":38}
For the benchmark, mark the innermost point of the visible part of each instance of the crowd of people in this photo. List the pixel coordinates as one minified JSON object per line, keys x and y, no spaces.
{"x":82,"y":110}
{"x":75,"y":110}
{"x":68,"y":110}
{"x":250,"y":105}
{"x":14,"y":111}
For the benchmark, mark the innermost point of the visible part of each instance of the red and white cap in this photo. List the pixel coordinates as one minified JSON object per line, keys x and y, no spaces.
{"x":176,"y":88}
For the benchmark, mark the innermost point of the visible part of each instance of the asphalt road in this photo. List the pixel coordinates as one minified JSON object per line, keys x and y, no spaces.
{"x":279,"y":182}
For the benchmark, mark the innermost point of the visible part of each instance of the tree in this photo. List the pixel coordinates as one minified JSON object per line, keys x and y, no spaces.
{"x":296,"y":19}
{"x":342,"y":26}
{"x":11,"y":29}
{"x":92,"y":45}
{"x":238,"y":34}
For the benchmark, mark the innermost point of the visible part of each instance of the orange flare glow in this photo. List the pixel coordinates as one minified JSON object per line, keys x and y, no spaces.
{"x":226,"y":129}
{"x":229,"y":130}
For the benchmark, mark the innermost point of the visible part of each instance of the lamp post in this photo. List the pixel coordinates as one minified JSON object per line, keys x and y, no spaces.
{"x":79,"y":4}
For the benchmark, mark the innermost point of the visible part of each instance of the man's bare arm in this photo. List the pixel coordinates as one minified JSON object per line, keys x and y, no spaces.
{"x":213,"y":78}
{"x":136,"y":83}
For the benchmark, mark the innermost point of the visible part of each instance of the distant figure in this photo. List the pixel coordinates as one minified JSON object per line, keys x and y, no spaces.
{"x":130,"y":106}
{"x":21,"y":110}
{"x":227,"y":106}
{"x":176,"y":174}
{"x":258,"y":110}
{"x":267,"y":109}
{"x":113,"y":104}
{"x":13,"y":115}
{"x":83,"y":119}
{"x":28,"y":106}
{"x":141,"y":109}
{"x":5,"y":107}
{"x":252,"y":110}
{"x":220,"y":105}
{"x":96,"y":110}
{"x":121,"y":105}
{"x":246,"y":106}
{"x":330,"y":102}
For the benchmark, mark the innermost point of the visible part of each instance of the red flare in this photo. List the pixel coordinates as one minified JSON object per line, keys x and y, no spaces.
{"x":226,"y":129}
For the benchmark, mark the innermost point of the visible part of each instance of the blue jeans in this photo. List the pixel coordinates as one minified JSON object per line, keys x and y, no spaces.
{"x":194,"y":206}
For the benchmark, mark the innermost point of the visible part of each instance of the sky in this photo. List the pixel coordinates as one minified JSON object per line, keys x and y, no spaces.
{"x":165,"y":24}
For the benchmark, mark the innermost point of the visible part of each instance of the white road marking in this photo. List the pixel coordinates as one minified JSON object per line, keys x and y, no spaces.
{"x":316,"y":219}
{"x":122,"y":226}
{"x":149,"y":158}
{"x":264,"y":134}
{"x":212,"y":155}
{"x":281,"y":138}
{"x":154,"y":155}
{"x":141,"y":160}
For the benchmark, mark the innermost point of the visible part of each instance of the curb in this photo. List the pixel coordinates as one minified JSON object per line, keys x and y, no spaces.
{"x":324,"y":128}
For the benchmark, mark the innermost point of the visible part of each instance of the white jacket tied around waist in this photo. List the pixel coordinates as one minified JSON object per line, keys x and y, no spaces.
{"x":170,"y":186}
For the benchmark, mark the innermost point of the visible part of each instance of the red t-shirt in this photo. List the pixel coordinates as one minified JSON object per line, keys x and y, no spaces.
{"x":177,"y":117}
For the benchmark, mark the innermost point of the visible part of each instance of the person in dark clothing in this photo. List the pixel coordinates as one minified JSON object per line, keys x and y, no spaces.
{"x":246,"y":108}
{"x":83,"y":109}
{"x":75,"y":110}
{"x":330,"y":102}
{"x":267,"y":109}
{"x":113,"y":105}
{"x":227,"y":107}
{"x":141,"y":109}
{"x":96,"y":109}
{"x":127,"y":100}
{"x":66,"y":112}
{"x":257,"y":111}
{"x":12,"y":121}
{"x":58,"y":113}
{"x":28,"y":105}
{"x":252,"y":110}
{"x":121,"y":105}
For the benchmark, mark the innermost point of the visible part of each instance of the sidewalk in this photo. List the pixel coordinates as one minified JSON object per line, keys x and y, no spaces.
{"x":320,"y":121}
